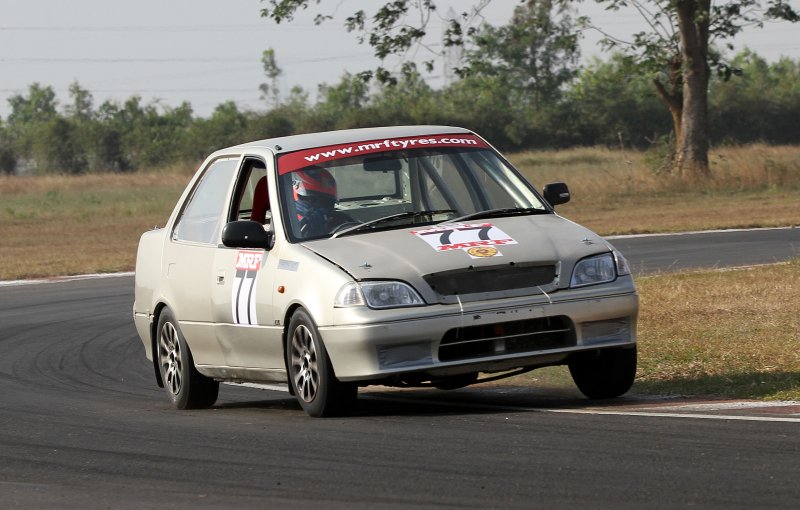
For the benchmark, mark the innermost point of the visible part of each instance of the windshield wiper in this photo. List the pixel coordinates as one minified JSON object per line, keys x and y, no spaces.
{"x":496,"y":213}
{"x":415,"y":215}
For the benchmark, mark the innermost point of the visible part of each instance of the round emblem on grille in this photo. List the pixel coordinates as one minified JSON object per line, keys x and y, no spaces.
{"x":482,"y":251}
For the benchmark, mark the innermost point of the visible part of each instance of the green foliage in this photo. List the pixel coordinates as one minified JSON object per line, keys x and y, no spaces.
{"x":226,"y":126}
{"x":8,"y":158}
{"x":613,"y":103}
{"x":761,"y":104}
{"x":269,"y":90}
{"x":532,"y":57}
{"x":608,"y":103}
{"x":38,"y":106}
{"x":342,"y":106}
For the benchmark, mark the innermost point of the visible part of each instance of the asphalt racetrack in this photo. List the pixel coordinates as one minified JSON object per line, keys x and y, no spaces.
{"x":83,"y":425}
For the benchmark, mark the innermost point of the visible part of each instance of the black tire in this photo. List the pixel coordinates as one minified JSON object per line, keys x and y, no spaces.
{"x":310,"y":371}
{"x":604,"y":373}
{"x":185,"y":386}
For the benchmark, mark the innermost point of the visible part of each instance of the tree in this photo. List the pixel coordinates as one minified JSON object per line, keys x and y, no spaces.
{"x":82,"y":101}
{"x":8,"y":157}
{"x":270,"y":91}
{"x":534,"y":55}
{"x":30,"y":119}
{"x":40,"y":105}
{"x":678,"y":50}
{"x":677,"y":43}
{"x":339,"y":105}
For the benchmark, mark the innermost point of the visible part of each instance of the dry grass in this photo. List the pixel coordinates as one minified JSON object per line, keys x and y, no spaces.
{"x":726,"y":333}
{"x":615,"y":192}
{"x":58,"y":225}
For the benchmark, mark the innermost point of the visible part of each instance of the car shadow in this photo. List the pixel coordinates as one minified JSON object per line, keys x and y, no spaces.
{"x":475,"y":400}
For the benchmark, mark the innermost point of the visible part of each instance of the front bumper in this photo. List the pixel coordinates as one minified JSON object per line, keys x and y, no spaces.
{"x":492,"y":336}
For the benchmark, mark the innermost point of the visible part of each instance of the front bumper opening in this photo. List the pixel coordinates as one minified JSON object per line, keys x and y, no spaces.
{"x":530,"y":335}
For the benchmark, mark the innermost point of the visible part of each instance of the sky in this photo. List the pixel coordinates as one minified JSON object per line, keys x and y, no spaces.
{"x":209,"y":51}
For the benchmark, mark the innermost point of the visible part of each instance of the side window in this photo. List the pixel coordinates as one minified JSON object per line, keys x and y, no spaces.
{"x":252,"y":195}
{"x":200,"y":220}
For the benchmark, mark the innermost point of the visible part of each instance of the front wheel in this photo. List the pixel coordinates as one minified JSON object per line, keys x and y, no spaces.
{"x":604,"y":373}
{"x":311,"y":373}
{"x":185,"y":386}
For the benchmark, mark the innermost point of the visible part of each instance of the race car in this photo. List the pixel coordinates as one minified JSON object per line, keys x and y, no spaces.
{"x":399,"y":256}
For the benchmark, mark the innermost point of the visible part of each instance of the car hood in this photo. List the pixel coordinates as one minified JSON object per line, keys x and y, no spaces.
{"x":409,"y":254}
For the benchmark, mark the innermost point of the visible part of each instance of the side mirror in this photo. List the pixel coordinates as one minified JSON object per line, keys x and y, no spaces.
{"x":246,"y":234}
{"x":556,"y":193}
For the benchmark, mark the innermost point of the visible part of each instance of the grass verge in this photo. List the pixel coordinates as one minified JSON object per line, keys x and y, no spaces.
{"x":720,"y":333}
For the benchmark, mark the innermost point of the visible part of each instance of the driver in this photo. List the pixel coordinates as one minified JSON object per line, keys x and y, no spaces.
{"x":314,"y":192}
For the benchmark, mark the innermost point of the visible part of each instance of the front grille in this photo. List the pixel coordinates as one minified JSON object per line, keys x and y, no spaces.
{"x":490,"y":279}
{"x":513,"y":337}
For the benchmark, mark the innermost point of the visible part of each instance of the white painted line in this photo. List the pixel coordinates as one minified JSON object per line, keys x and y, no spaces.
{"x":695,"y":232}
{"x":729,"y":417}
{"x":648,"y":414}
{"x":722,"y":406}
{"x":59,"y":279}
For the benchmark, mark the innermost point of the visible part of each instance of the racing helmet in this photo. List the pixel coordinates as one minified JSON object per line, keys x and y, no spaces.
{"x":314,"y":190}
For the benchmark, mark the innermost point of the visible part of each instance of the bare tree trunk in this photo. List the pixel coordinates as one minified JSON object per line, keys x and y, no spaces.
{"x":672,"y":100}
{"x":691,"y":151}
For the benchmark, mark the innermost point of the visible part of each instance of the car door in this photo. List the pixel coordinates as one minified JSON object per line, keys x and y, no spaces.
{"x":245,"y":323}
{"x":188,"y":258}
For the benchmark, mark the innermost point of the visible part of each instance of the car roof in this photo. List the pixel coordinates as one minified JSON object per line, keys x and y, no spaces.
{"x":293,"y":143}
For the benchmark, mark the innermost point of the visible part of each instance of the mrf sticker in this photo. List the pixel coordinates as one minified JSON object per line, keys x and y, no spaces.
{"x":478,"y":240}
{"x":244,"y":287}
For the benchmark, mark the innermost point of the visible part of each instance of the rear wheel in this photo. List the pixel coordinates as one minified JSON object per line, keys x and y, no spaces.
{"x":185,"y":386}
{"x":311,"y":373}
{"x":604,"y":373}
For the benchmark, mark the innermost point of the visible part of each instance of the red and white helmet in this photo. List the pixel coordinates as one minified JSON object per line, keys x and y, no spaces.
{"x":314,"y":191}
{"x":313,"y":182}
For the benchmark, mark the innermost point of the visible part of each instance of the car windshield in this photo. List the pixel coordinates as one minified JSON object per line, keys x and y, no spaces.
{"x":395,"y":183}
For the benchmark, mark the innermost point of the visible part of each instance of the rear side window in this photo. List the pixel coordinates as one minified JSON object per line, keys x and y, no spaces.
{"x":200,"y":220}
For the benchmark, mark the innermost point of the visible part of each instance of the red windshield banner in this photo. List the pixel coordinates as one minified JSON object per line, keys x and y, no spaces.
{"x":300,"y":159}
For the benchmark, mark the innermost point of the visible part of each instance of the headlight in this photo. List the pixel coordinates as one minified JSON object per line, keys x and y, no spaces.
{"x":377,"y":295}
{"x":594,"y":270}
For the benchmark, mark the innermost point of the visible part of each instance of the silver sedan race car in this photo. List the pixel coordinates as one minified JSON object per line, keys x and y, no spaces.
{"x":398,"y":256}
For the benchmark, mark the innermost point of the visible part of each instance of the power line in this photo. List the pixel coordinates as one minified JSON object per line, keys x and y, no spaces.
{"x":95,"y":90}
{"x":164,"y":28}
{"x":125,"y":60}
{"x":170,"y":60}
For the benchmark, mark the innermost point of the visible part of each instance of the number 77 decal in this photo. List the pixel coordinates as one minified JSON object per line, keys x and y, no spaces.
{"x":461,"y":236}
